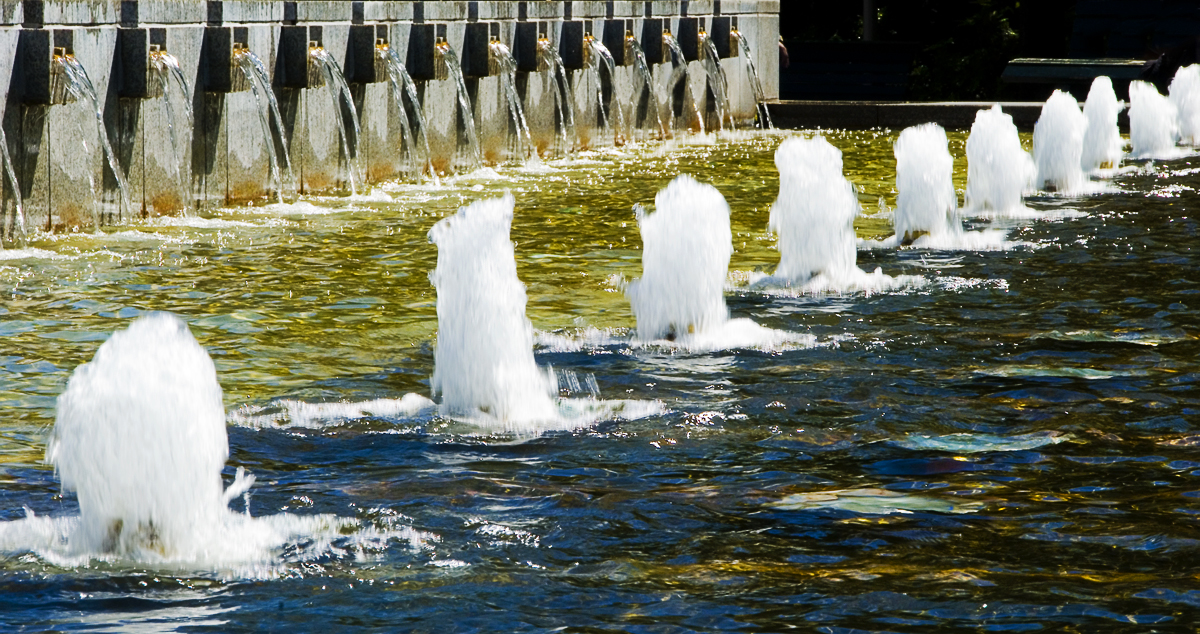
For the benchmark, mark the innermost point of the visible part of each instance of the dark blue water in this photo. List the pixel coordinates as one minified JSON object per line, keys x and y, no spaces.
{"x":1012,"y":447}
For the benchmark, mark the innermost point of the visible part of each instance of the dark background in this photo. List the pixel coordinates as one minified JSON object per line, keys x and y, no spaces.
{"x":940,"y":49}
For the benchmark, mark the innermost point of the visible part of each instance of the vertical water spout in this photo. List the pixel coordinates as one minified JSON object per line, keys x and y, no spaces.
{"x":564,"y":102}
{"x":80,"y":86}
{"x":760,"y":96}
{"x":1153,"y":128}
{"x":454,"y":69}
{"x":601,"y":58}
{"x":686,"y":246}
{"x":999,"y":170}
{"x":646,"y":88}
{"x":335,"y":81}
{"x":1058,"y":144}
{"x":679,"y":73}
{"x":264,"y":97}
{"x":402,"y":85}
{"x":483,"y":362}
{"x":925,"y":200}
{"x":1185,"y":94}
{"x":814,"y":213}
{"x":1102,"y":143}
{"x":18,"y":221}
{"x":167,"y":72}
{"x":506,"y":68}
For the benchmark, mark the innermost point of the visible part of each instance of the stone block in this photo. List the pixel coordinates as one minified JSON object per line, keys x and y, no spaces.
{"x":257,"y":11}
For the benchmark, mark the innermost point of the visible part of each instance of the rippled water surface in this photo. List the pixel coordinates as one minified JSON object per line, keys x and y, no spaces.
{"x":1010,"y":446}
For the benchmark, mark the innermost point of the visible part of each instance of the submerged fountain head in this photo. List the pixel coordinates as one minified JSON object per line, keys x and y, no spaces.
{"x":814,"y":213}
{"x":686,"y":246}
{"x":1185,"y":94}
{"x":925,"y":201}
{"x":998,"y":169}
{"x":483,"y":362}
{"x":140,"y":437}
{"x":1102,"y":143}
{"x":1153,"y":129}
{"x":1058,"y":144}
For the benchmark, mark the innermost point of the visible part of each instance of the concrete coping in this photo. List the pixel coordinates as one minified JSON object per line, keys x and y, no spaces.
{"x":36,"y":13}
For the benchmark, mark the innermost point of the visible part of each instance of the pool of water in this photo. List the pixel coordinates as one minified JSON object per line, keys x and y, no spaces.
{"x":1011,"y":445}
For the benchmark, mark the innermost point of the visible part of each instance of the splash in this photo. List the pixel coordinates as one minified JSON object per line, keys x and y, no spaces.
{"x":1152,"y":126}
{"x":1102,"y":143}
{"x":1058,"y":145}
{"x":925,"y":200}
{"x":999,"y":171}
{"x":140,"y":438}
{"x":1185,"y":94}
{"x":483,"y":364}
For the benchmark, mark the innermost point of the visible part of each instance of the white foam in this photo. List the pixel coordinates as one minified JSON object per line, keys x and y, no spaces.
{"x":734,"y":334}
{"x":197,"y":222}
{"x":31,"y":253}
{"x":999,"y":171}
{"x":1153,"y":129}
{"x":1102,"y":142}
{"x":1058,"y":145}
{"x":854,"y":280}
{"x":1185,"y":94}
{"x":985,"y":240}
{"x":288,"y":413}
{"x":236,"y":546}
{"x":483,"y":362}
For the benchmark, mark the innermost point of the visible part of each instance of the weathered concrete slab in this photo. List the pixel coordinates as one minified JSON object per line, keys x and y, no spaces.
{"x":225,"y":156}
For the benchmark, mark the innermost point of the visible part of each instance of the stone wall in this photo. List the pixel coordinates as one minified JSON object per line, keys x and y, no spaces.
{"x":61,"y":168}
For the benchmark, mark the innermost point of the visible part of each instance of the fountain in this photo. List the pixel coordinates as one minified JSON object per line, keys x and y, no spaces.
{"x":450,"y":64}
{"x":147,"y":471}
{"x":687,"y":244}
{"x":760,"y":96}
{"x":1185,"y":94}
{"x":339,"y":90}
{"x":14,"y":223}
{"x":167,"y":71}
{"x":399,"y":83}
{"x":564,"y":102}
{"x":679,"y":84}
{"x":1152,"y":122}
{"x":814,"y":213}
{"x":506,"y":68}
{"x":1102,"y":142}
{"x":264,"y":97}
{"x":600,"y":58}
{"x":80,"y":86}
{"x":1058,"y":145}
{"x":483,"y":363}
{"x":999,"y":171}
{"x":925,"y":199}
{"x":643,"y":97}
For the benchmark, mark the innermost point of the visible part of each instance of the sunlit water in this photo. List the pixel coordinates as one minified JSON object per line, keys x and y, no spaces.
{"x":1011,"y":445}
